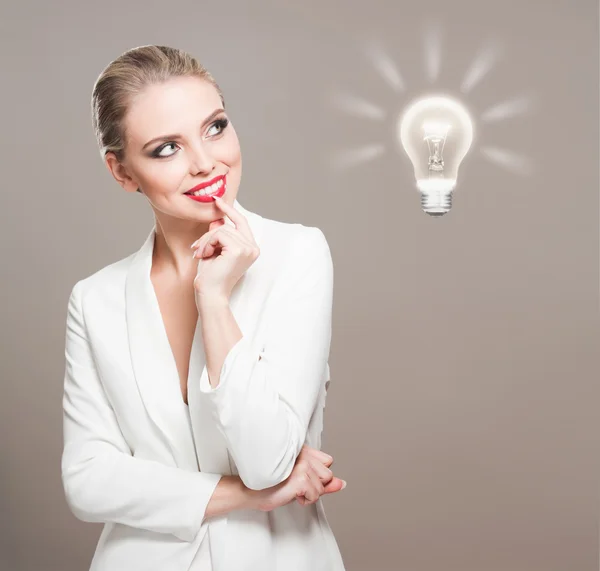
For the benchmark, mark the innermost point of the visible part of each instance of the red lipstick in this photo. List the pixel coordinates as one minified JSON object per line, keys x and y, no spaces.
{"x":219,"y":189}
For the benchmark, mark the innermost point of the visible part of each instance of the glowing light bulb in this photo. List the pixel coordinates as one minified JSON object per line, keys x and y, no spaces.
{"x":436,"y":133}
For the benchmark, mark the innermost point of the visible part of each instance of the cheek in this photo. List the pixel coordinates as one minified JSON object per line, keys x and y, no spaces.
{"x":161,"y":175}
{"x":231,"y":149}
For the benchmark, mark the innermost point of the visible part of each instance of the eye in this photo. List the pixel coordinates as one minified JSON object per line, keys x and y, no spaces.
{"x":156,"y":153}
{"x":220,"y":123}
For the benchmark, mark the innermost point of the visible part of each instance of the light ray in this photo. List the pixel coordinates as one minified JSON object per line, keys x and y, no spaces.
{"x":516,"y":106}
{"x":433,"y":52}
{"x":480,"y":67}
{"x":345,"y":159}
{"x":358,"y":107}
{"x":384,"y":65}
{"x":509,"y":160}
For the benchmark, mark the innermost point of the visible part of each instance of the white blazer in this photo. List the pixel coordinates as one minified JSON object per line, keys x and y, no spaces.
{"x":137,"y":458}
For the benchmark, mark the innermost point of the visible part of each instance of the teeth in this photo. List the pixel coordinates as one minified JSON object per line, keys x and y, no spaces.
{"x":209,"y":189}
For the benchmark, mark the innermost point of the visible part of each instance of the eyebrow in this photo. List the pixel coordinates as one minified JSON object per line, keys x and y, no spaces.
{"x":177,"y":135}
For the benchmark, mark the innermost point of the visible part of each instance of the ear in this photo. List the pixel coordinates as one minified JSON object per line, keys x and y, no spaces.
{"x":119,"y":172}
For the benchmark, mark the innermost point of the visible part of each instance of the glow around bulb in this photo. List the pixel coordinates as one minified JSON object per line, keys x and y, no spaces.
{"x":436,"y":133}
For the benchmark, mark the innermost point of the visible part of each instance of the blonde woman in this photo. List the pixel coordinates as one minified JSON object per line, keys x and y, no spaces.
{"x":194,"y":386}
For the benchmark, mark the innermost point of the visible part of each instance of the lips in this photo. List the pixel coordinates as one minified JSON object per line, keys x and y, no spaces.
{"x":209,"y":197}
{"x":205,"y":184}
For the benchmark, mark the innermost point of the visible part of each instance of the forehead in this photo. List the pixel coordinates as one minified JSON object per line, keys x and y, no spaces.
{"x":177,"y":105}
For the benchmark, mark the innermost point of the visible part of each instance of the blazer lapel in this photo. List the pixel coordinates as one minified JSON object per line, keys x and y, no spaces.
{"x":152,"y":359}
{"x":155,"y":369}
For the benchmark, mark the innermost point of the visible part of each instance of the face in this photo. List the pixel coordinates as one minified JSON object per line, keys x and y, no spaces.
{"x":179,"y":137}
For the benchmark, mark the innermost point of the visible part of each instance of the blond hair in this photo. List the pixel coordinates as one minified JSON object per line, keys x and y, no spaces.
{"x":127,"y":76}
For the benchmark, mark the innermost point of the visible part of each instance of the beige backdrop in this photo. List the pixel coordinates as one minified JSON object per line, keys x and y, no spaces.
{"x":464,"y":395}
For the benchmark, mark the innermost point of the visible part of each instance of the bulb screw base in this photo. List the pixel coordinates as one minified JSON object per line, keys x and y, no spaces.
{"x":436,"y":203}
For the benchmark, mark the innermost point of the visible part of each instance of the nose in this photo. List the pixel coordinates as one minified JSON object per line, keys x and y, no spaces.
{"x":201,"y":160}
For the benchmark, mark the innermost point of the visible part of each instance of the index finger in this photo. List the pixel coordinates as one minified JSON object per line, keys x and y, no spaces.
{"x":238,"y":219}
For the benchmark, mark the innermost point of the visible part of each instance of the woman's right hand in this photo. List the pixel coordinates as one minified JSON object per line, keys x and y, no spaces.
{"x":309,"y":480}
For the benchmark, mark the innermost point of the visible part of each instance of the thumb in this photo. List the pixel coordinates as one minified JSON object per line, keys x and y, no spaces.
{"x":335,"y":485}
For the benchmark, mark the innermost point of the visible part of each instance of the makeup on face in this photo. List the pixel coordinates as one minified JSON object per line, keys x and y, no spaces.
{"x":221,"y":123}
{"x":205,"y":191}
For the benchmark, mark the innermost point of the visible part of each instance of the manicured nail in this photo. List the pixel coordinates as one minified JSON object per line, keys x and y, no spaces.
{"x":344,"y":484}
{"x":194,"y":244}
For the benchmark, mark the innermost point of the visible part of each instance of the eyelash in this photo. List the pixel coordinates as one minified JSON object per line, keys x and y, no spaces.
{"x":221,"y":123}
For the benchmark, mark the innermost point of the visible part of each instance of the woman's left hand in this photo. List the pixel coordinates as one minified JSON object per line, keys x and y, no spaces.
{"x":224,"y":253}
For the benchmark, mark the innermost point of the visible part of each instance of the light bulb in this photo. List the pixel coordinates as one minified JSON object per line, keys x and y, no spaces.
{"x":436,"y":133}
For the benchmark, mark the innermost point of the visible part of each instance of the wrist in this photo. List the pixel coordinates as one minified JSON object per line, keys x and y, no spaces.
{"x":208,"y":300}
{"x":251,"y":499}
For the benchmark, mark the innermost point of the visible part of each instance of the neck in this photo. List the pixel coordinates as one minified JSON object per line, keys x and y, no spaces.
{"x":172,"y":253}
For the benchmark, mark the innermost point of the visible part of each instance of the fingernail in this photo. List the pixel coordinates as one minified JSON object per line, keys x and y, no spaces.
{"x":343,"y":484}
{"x":194,"y":244}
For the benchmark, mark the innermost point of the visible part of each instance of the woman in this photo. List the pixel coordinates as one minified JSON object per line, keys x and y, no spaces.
{"x":223,"y":470}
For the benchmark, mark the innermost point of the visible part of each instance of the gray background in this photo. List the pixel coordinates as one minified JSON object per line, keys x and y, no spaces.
{"x":464,"y":396}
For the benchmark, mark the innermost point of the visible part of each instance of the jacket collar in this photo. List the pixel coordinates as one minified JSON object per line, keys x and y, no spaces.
{"x":152,"y":360}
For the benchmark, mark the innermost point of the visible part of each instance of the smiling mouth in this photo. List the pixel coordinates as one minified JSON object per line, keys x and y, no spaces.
{"x":208,"y":190}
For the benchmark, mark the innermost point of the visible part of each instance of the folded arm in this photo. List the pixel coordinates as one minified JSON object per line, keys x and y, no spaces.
{"x":265,"y":396}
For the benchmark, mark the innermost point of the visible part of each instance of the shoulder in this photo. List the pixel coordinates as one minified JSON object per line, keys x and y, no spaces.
{"x":108,"y":279}
{"x":292,"y":239}
{"x":294,"y":255}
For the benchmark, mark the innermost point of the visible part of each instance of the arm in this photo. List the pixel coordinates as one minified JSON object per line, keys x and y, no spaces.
{"x":263,"y":398}
{"x":102,"y":481}
{"x":231,"y":494}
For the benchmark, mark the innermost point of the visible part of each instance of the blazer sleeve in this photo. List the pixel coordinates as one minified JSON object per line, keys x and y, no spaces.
{"x":266,"y":395}
{"x":102,"y":481}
